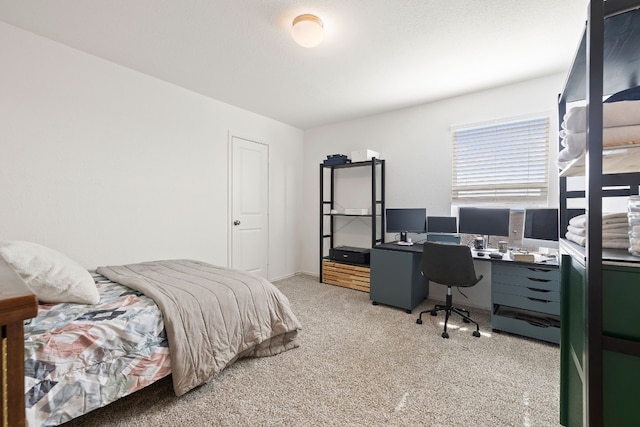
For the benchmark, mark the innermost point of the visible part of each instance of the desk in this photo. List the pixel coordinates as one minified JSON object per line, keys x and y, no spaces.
{"x":525,"y":297}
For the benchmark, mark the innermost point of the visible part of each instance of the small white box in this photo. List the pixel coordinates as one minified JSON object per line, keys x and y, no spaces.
{"x":363,"y":155}
{"x":356,"y":211}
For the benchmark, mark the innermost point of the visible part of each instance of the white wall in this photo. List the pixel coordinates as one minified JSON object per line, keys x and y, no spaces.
{"x":416,"y":144}
{"x":111,"y":166}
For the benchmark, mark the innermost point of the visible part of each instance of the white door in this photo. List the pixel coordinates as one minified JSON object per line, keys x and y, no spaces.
{"x":249,"y":205}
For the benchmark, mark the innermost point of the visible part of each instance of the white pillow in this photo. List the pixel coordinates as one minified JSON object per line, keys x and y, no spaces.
{"x":50,"y":275}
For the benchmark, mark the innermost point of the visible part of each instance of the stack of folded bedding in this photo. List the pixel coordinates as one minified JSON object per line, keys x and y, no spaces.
{"x":620,"y":125}
{"x":615,"y":230}
{"x":634,"y":242}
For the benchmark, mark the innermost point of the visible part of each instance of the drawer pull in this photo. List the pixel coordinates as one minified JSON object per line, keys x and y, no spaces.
{"x":538,"y":299}
{"x":535,"y":279}
{"x":539,"y":269}
{"x":538,"y":290}
{"x":537,"y":324}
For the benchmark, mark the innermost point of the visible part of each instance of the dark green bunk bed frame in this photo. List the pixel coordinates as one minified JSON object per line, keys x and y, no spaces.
{"x":600,"y":290}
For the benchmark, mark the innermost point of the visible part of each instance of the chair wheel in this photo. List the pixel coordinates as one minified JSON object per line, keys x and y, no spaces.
{"x":419,"y":321}
{"x":466,"y":320}
{"x":433,"y":313}
{"x":445,"y":335}
{"x":476,"y":334}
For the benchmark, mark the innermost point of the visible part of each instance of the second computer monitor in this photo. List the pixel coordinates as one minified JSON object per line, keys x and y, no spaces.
{"x":442,"y":224}
{"x":540,"y":228}
{"x":406,"y":220}
{"x":484,"y":221}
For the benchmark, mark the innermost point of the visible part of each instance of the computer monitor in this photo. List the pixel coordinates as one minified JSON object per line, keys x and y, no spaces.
{"x":406,"y":220}
{"x":540,"y":228}
{"x":442,"y":224}
{"x":484,"y":221}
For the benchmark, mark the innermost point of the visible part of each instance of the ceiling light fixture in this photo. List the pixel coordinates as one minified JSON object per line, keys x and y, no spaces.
{"x":307,"y":30}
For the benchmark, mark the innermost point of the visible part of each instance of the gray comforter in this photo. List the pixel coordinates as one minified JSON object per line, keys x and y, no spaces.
{"x":213,"y":315}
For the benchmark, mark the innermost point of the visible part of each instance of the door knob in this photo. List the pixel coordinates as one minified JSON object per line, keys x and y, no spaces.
{"x":236,"y":222}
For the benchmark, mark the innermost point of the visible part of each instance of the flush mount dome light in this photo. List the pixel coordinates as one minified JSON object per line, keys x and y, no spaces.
{"x":307,"y":30}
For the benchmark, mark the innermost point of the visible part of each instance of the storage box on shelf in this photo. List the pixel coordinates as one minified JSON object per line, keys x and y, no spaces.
{"x":364,"y":155}
{"x":346,"y":275}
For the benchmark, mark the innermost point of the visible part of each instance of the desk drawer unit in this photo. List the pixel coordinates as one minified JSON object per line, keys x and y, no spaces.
{"x":346,"y":275}
{"x":526,"y":300}
{"x":396,"y":279}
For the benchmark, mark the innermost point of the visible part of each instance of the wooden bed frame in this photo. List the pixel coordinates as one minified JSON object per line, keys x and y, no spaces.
{"x":17,"y":303}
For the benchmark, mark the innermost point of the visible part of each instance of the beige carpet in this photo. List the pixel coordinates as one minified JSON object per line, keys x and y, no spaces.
{"x":364,"y":365}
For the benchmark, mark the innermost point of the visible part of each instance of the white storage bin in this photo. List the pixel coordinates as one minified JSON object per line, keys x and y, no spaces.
{"x":363,"y":155}
{"x":356,"y":211}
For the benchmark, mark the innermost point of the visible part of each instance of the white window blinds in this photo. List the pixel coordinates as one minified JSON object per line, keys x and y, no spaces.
{"x":501,"y":163}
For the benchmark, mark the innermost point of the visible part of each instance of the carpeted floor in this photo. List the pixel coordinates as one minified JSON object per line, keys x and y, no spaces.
{"x":364,"y":365}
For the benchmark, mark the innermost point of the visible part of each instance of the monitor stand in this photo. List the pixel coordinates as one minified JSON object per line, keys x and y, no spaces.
{"x":404,"y":240}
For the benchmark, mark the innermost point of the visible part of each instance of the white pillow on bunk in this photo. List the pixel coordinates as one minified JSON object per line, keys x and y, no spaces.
{"x":52,"y":276}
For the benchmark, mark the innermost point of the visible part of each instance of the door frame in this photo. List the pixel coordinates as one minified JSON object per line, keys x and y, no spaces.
{"x":230,"y":136}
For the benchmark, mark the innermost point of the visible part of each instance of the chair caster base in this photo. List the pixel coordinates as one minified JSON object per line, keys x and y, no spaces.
{"x":476,"y":334}
{"x":419,"y":321}
{"x":445,"y":335}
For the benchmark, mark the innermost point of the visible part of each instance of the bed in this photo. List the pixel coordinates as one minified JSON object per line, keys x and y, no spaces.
{"x":128,"y":326}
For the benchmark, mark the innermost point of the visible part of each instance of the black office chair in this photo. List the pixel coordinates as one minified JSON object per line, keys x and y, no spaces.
{"x":450,"y":265}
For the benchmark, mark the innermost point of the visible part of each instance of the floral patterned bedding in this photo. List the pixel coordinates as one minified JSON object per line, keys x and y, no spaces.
{"x":82,"y":357}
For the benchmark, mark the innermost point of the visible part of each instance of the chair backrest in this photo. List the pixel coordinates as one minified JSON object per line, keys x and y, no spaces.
{"x":449,"y":264}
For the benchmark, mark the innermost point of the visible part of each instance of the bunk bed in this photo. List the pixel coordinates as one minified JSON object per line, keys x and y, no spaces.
{"x":600,"y":288}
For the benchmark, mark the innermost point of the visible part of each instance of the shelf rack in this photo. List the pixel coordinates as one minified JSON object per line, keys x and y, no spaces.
{"x":376,"y":214}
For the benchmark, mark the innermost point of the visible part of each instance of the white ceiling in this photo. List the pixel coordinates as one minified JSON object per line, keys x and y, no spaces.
{"x":378,"y":55}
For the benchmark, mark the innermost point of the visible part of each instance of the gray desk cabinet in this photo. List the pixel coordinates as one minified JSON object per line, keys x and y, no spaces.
{"x":396,"y":278}
{"x":525,"y":300}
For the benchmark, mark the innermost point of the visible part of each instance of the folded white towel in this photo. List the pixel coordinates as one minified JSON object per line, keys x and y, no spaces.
{"x":610,"y":136}
{"x":618,"y":234}
{"x":578,"y":231}
{"x":612,"y":232}
{"x":615,"y":225}
{"x":622,"y":113}
{"x":614,"y":218}
{"x":581,"y":240}
{"x":614,"y":243}
{"x":572,"y":150}
{"x":574,"y":143}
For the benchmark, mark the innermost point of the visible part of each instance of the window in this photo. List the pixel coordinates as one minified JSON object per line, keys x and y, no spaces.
{"x":500,"y":163}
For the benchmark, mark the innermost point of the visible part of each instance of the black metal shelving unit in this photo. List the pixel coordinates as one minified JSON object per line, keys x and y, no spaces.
{"x":376,"y":215}
{"x":606,"y":62}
